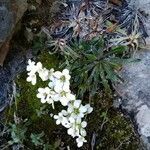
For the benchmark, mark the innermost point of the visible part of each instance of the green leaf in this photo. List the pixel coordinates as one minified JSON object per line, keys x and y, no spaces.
{"x":10,"y":142}
{"x":111,"y":74}
{"x":103,"y":78}
{"x":119,"y":49}
{"x":91,"y":57}
{"x":36,"y":138}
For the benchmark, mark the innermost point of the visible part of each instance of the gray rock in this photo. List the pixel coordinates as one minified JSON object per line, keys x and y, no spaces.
{"x":16,"y":64}
{"x":135,"y":91}
{"x":6,"y":21}
{"x":11,"y":12}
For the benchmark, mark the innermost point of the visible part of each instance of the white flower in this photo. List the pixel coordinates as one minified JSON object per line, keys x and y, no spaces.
{"x":64,"y":112}
{"x":78,"y":121}
{"x":66,"y":124}
{"x":60,"y":119}
{"x":82,"y":132}
{"x":72,"y":132}
{"x":83,"y":109}
{"x":61,"y":86}
{"x":73,"y":105}
{"x":80,"y":140}
{"x":62,"y":76}
{"x":42,"y":95}
{"x":31,"y":66}
{"x":71,"y":119}
{"x":76,"y":109}
{"x":77,"y":128}
{"x":44,"y":74}
{"x":45,"y":95}
{"x":51,"y":85}
{"x":39,"y":67}
{"x":89,"y":108}
{"x":83,"y":124}
{"x":31,"y":78}
{"x":61,"y":80}
{"x":64,"y":97}
{"x":77,"y":103}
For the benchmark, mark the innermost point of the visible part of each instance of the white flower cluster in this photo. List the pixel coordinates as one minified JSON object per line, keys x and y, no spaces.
{"x":72,"y":120}
{"x":58,"y":90}
{"x":33,"y":68}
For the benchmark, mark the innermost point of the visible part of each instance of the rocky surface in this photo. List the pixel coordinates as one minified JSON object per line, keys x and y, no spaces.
{"x":16,"y":64}
{"x":11,"y":12}
{"x":135,"y":91}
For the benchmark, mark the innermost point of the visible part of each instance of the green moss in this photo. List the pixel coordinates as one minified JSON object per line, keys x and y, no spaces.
{"x":119,"y":132}
{"x":48,"y":61}
{"x":116,"y":132}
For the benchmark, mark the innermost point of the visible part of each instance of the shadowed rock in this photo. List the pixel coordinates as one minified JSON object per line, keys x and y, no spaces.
{"x":11,"y":12}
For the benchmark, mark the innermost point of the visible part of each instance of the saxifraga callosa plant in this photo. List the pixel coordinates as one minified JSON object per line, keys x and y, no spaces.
{"x":128,"y":14}
{"x":92,"y":64}
{"x":133,"y":40}
{"x":83,"y":19}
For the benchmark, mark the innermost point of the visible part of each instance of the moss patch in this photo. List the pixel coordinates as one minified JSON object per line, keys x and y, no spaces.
{"x":113,"y":131}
